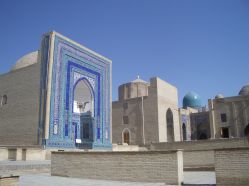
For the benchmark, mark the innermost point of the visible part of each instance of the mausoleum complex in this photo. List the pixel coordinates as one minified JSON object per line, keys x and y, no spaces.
{"x":59,"y":99}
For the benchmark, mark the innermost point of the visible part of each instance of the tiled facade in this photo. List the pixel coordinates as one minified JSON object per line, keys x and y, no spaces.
{"x":40,"y":91}
{"x":71,"y":63}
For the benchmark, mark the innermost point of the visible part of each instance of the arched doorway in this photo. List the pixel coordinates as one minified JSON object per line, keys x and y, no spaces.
{"x":184,"y":132}
{"x":202,"y":136}
{"x":170,"y":125}
{"x":126,"y":136}
{"x":83,"y":110}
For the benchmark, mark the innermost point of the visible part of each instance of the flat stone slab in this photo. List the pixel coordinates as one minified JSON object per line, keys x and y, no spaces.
{"x":41,"y":180}
{"x":199,"y":177}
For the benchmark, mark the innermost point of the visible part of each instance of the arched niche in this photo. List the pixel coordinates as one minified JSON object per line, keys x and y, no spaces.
{"x":83,"y":100}
{"x":170,"y":125}
{"x":184,"y":132}
{"x":126,"y":136}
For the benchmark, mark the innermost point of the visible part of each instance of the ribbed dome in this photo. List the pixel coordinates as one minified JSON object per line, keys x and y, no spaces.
{"x":138,"y":80}
{"x":219,"y":96}
{"x":27,"y":60}
{"x":244,"y":91}
{"x":192,"y":100}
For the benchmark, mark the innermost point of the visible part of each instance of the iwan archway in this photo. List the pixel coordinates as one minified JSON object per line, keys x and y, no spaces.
{"x":83,"y":113}
{"x":75,"y":95}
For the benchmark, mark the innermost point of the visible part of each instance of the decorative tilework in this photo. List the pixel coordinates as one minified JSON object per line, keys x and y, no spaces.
{"x":70,"y":64}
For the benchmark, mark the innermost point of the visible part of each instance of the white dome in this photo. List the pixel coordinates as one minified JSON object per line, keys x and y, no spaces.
{"x":138,"y":80}
{"x":218,"y":96}
{"x":27,"y":60}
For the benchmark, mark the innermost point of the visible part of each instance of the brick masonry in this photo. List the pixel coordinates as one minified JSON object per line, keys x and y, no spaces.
{"x":198,"y":159}
{"x":232,"y":166}
{"x":147,"y":166}
{"x":200,"y":154}
{"x":19,"y":117}
{"x":209,"y":144}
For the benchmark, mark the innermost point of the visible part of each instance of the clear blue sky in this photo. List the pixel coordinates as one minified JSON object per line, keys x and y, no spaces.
{"x":195,"y":45}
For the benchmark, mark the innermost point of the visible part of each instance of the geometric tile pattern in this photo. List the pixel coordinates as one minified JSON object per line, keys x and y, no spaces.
{"x":71,"y":63}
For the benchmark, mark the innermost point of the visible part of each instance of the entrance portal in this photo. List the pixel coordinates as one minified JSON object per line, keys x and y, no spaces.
{"x":83,"y":109}
{"x":75,"y":95}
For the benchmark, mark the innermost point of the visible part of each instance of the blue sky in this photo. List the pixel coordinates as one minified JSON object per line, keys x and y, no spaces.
{"x":200,"y":46}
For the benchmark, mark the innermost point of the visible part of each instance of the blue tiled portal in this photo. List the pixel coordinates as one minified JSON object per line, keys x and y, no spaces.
{"x":72,"y":63}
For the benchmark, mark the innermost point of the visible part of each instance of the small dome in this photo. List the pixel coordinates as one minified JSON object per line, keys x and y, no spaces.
{"x":244,"y":90}
{"x":219,"y":96}
{"x":138,"y":80}
{"x":27,"y":60}
{"x":192,"y":100}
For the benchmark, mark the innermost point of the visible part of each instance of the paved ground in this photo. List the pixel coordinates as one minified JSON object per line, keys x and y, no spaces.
{"x":38,"y":173}
{"x":200,"y":177}
{"x":190,"y":178}
{"x":41,"y":180}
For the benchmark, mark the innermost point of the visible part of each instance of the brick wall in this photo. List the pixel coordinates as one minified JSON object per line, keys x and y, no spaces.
{"x":17,"y":168}
{"x":165,"y":166}
{"x":3,"y":154}
{"x":19,"y":117}
{"x":209,"y":144}
{"x":198,"y":159}
{"x":24,"y":153}
{"x":200,"y":154}
{"x":232,"y":166}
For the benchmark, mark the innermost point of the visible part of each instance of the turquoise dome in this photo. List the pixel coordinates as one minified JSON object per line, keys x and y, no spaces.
{"x":192,"y":100}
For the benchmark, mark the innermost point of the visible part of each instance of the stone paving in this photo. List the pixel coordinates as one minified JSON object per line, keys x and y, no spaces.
{"x":38,"y":173}
{"x":199,"y":177}
{"x":190,"y":178}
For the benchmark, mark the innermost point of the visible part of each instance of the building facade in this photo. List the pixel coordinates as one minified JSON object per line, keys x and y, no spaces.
{"x":194,"y":118}
{"x":59,"y":96}
{"x":229,"y":115}
{"x":146,"y":112}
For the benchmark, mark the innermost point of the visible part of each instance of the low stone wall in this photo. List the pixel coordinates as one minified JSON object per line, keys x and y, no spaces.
{"x":200,"y":154}
{"x":198,"y":159}
{"x":209,"y":144}
{"x":35,"y":154}
{"x":232,"y":166}
{"x":126,"y":147}
{"x":3,"y":154}
{"x":17,"y":168}
{"x":24,"y":153}
{"x":147,"y":166}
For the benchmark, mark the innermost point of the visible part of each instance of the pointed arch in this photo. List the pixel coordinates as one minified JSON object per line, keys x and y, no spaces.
{"x":170,"y":125}
{"x":83,"y":93}
{"x":184,"y":132}
{"x":126,"y":136}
